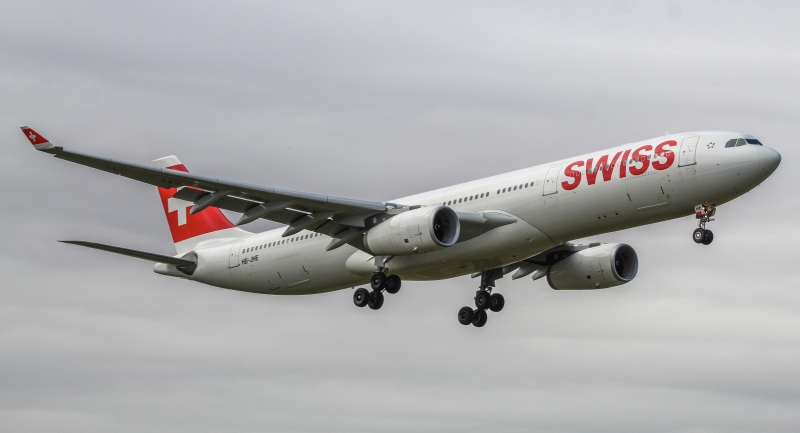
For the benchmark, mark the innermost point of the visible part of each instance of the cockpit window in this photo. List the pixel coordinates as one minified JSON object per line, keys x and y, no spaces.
{"x":736,"y":142}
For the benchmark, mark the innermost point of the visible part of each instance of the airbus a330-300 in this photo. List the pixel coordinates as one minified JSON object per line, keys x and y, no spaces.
{"x":519,"y":223}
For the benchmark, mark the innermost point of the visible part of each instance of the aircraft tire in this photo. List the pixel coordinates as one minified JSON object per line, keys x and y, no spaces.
{"x":698,"y":235}
{"x":708,"y":238}
{"x":465,"y":315}
{"x":481,"y":316}
{"x":378,"y":281}
{"x":482,"y":300}
{"x":497,"y":302}
{"x":375,"y":300}
{"x":361,"y":297}
{"x":393,"y":284}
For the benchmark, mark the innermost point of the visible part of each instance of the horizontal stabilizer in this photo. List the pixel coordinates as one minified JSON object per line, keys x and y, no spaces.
{"x":134,"y":253}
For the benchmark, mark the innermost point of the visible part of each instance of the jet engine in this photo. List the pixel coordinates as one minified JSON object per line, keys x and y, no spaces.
{"x":607,"y":265}
{"x":420,"y":230}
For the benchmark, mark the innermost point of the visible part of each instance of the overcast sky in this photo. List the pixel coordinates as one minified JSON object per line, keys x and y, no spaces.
{"x":377,"y":100}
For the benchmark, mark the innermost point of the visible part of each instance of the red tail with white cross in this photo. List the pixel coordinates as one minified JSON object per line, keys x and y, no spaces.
{"x":183,"y":225}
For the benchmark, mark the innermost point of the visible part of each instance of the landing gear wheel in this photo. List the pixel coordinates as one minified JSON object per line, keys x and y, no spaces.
{"x":465,"y":315}
{"x":378,"y":281}
{"x":497,"y":302}
{"x":375,"y":300}
{"x":698,"y":235}
{"x":480,"y":318}
{"x":708,"y":238}
{"x":392,"y":284}
{"x":361,"y":297}
{"x":482,"y":299}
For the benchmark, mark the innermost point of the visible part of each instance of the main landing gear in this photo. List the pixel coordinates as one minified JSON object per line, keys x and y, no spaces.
{"x":379,"y":282}
{"x":484,"y":300}
{"x":704,"y":214}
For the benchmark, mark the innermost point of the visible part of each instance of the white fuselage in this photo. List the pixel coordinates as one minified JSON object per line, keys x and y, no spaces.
{"x":552,"y":203}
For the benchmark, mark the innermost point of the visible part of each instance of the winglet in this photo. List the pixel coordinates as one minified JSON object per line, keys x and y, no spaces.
{"x":37,"y":140}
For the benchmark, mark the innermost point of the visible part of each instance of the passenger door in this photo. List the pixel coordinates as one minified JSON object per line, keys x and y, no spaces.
{"x":550,"y":185}
{"x":234,"y":256}
{"x":688,"y":151}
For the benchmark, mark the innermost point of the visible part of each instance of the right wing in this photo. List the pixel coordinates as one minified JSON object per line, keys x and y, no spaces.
{"x":343,"y":219}
{"x":299,"y":210}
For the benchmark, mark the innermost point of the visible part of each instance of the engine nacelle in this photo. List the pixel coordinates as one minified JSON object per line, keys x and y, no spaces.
{"x":416,"y":231}
{"x":607,"y":265}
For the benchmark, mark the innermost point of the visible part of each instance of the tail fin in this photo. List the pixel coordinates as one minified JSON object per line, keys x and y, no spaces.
{"x":188,"y":230}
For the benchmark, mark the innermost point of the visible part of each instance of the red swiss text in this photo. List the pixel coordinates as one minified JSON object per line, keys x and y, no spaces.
{"x":636,"y":162}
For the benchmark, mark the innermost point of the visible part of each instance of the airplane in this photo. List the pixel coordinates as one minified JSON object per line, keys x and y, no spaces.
{"x":520,"y":223}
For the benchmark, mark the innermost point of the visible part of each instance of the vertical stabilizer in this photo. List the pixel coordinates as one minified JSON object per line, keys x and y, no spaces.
{"x":188,"y":230}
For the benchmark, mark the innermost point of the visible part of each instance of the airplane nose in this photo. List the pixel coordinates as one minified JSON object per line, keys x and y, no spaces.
{"x":770,"y":159}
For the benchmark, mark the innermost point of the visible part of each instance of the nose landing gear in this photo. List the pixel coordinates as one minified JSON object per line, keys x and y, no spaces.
{"x":484,"y":300}
{"x":704,"y":214}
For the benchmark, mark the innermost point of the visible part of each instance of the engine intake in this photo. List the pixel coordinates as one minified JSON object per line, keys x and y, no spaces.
{"x":600,"y":267}
{"x":420,"y":230}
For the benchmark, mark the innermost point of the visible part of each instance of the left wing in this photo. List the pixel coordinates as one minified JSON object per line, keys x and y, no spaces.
{"x":538,"y":264}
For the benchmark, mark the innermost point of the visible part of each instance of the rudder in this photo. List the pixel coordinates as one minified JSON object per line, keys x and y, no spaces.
{"x":187,"y":229}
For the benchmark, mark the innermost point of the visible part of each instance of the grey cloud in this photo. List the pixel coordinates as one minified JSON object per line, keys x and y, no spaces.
{"x":309,"y":96}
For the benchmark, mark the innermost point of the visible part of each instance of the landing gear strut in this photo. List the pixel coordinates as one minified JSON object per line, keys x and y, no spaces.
{"x":704,"y":214}
{"x":379,"y":282}
{"x":484,"y":300}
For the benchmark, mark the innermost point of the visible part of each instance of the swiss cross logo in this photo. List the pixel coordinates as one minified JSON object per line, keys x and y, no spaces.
{"x":179,"y":206}
{"x":32,"y":137}
{"x":185,"y":225}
